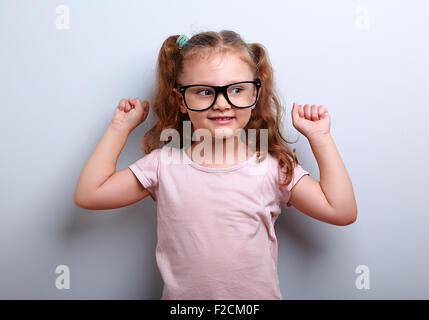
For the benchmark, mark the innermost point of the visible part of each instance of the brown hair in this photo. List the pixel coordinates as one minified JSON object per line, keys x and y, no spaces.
{"x":266,"y":114}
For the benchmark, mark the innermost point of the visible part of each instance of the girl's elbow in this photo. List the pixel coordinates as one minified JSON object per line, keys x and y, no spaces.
{"x":82,"y":203}
{"x":347,"y":219}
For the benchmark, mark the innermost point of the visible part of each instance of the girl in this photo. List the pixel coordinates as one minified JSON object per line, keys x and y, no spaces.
{"x":216,"y":219}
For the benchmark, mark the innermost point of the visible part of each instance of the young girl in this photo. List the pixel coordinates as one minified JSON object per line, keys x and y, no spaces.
{"x":216,"y":236}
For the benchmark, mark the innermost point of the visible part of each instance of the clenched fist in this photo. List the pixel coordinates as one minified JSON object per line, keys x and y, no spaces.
{"x":311,"y":120}
{"x":130,"y":113}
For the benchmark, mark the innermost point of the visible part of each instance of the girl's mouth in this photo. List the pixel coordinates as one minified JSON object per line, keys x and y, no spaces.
{"x":222,"y":120}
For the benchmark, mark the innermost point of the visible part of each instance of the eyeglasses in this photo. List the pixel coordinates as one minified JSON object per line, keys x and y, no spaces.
{"x":201,"y":97}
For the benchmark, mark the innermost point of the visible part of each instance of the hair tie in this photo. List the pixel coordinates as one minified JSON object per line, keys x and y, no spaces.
{"x":182,"y":40}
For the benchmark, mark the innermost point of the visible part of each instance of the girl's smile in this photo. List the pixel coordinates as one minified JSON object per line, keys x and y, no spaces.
{"x":222,"y":120}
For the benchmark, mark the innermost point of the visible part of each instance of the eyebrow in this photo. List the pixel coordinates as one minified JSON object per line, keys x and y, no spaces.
{"x":211,"y":83}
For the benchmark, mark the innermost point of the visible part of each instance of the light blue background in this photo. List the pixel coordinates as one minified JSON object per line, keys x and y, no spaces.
{"x":59,"y":89}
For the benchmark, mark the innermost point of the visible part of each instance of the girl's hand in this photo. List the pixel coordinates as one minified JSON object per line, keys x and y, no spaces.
{"x":312,"y":121}
{"x":130,"y":113}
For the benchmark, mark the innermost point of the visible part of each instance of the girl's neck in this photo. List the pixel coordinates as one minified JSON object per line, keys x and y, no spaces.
{"x":224,"y":153}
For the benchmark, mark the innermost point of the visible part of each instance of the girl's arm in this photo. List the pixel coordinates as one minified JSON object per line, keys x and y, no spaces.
{"x":332,"y":199}
{"x":99,"y":185}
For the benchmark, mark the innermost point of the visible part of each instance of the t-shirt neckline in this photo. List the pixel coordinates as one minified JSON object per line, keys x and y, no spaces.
{"x":218,"y":169}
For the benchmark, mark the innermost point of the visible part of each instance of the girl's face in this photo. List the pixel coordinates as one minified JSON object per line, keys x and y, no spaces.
{"x":218,"y":70}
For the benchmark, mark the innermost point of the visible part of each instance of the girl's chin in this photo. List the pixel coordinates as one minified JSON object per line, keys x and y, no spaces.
{"x":222,"y":130}
{"x":223,"y":133}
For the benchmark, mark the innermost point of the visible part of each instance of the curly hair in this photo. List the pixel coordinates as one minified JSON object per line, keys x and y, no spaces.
{"x":266,"y":114}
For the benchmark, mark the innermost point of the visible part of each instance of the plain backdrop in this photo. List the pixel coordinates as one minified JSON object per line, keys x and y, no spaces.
{"x":366,"y":61}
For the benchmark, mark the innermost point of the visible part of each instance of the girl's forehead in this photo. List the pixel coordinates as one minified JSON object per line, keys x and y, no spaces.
{"x":215,"y":58}
{"x":229,"y":64}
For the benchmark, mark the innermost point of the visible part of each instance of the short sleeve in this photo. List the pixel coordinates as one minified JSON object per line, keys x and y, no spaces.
{"x":285,"y":191}
{"x":146,"y":170}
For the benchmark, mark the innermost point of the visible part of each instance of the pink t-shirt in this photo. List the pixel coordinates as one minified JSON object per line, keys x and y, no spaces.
{"x":215,"y":226}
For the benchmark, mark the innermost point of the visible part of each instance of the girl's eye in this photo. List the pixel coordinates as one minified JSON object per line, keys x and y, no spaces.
{"x":237,"y":88}
{"x":205,"y":91}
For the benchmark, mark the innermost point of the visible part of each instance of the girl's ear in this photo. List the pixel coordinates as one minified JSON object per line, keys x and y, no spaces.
{"x":179,"y":98}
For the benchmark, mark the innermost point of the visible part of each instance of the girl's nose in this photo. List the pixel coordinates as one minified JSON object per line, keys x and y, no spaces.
{"x":221,"y":102}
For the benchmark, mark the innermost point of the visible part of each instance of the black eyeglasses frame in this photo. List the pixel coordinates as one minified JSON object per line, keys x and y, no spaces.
{"x":222,"y":89}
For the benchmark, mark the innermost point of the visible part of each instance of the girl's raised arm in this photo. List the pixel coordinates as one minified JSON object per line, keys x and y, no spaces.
{"x":99,"y":186}
{"x":332,"y":199}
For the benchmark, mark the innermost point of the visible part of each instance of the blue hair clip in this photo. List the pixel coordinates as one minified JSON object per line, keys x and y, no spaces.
{"x":182,"y":40}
